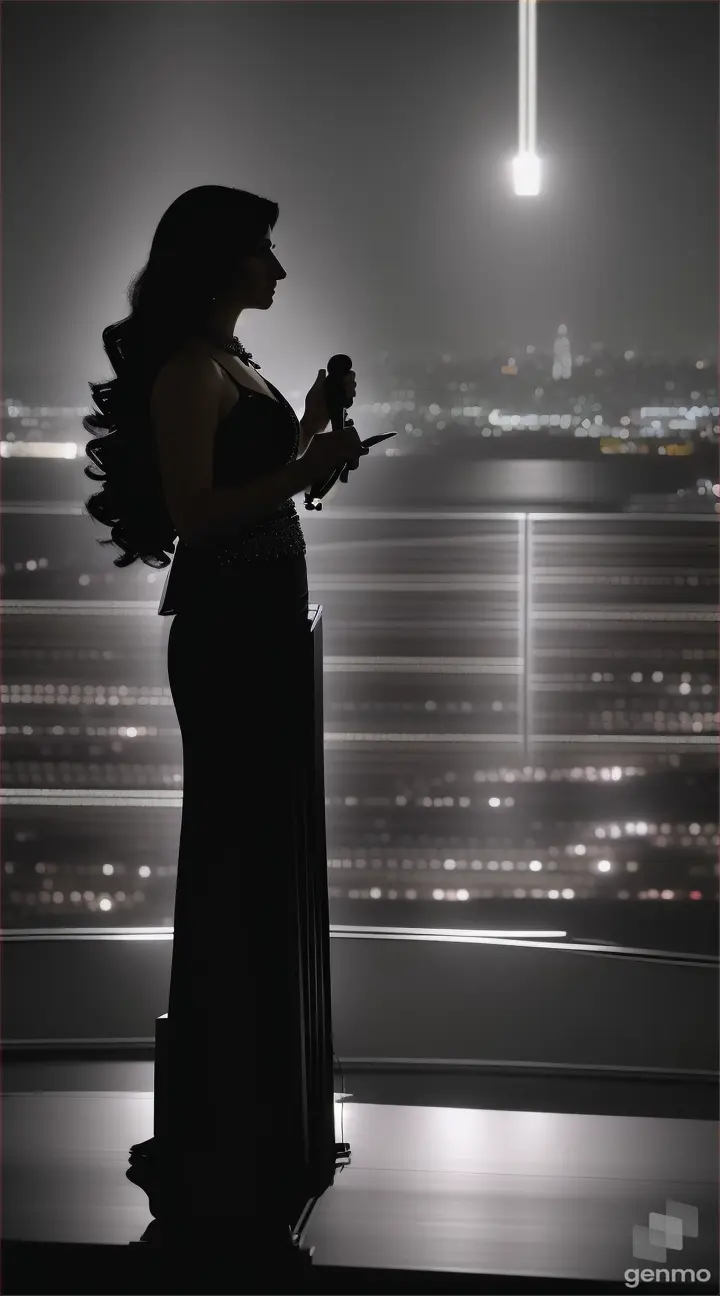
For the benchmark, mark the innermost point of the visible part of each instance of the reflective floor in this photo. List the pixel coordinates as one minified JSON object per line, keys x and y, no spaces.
{"x":525,"y":1192}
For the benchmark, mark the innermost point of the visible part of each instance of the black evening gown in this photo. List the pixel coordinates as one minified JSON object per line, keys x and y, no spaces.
{"x":238,"y":665}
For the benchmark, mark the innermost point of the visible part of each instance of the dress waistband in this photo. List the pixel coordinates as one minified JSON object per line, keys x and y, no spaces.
{"x":277,"y":536}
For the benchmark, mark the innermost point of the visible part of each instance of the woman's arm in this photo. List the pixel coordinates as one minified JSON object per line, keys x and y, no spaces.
{"x":306,"y":436}
{"x":214,"y":513}
{"x":184,"y":406}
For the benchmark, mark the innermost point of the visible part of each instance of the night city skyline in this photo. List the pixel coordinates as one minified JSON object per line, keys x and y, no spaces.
{"x":384,"y":132}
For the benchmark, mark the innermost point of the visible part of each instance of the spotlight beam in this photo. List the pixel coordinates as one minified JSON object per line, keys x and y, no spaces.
{"x":526,"y":164}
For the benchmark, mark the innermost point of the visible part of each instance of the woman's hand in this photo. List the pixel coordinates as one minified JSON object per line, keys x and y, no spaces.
{"x":317,"y":416}
{"x":330,"y":451}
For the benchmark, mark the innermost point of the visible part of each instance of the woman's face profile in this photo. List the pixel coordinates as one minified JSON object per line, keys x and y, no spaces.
{"x":258,"y":273}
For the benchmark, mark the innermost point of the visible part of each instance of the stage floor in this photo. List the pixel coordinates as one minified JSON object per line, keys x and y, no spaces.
{"x":443,"y":1188}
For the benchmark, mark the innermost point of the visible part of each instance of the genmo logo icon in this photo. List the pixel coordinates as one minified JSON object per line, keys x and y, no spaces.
{"x":661,"y":1234}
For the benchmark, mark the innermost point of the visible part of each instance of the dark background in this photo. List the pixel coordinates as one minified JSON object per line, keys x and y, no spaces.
{"x":384,"y":131}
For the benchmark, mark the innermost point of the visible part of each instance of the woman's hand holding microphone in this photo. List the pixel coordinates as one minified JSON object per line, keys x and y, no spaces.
{"x":330,"y":450}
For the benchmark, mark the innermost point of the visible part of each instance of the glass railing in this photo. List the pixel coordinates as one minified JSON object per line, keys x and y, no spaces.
{"x":520,"y":712}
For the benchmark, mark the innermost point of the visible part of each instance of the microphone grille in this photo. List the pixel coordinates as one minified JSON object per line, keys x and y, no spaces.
{"x":338,"y":365}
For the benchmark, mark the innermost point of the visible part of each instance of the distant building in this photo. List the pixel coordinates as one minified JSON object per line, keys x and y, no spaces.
{"x":562,"y":357}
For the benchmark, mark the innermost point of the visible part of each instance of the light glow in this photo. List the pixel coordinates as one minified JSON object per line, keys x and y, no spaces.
{"x":526,"y":175}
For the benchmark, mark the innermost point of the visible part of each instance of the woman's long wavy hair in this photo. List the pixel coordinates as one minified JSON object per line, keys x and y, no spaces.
{"x":195,"y":253}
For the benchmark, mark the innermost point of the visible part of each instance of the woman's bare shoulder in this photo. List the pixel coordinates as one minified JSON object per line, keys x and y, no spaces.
{"x":190,"y":364}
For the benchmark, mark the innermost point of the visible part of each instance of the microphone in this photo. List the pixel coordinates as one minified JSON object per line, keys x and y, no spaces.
{"x":338,"y":366}
{"x":337,"y":402}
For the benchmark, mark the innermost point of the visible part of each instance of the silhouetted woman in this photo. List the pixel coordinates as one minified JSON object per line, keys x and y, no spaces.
{"x":195,"y":444}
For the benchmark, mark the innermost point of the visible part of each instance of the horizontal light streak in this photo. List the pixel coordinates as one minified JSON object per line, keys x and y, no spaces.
{"x":357,"y":512}
{"x":656,"y":614}
{"x":408,"y":581}
{"x":660,"y":615}
{"x":426,"y":665}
